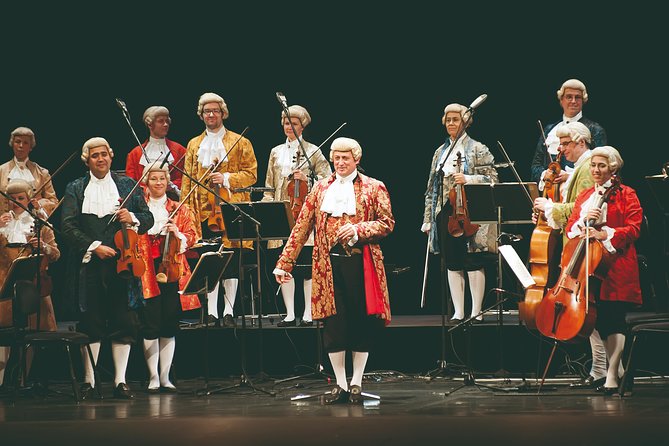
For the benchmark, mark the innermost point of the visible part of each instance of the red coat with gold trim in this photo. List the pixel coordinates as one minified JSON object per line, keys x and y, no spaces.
{"x":624,"y":214}
{"x":185,"y":221}
{"x":373,"y":221}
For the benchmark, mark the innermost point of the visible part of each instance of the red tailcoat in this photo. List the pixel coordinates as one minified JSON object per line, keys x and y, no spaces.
{"x":134,"y":170}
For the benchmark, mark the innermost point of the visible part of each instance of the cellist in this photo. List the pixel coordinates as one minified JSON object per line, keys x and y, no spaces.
{"x":107,"y":301}
{"x":286,"y":165}
{"x":235,"y":170}
{"x":575,"y":143}
{"x":159,"y":317}
{"x":618,"y":225}
{"x":460,"y":253}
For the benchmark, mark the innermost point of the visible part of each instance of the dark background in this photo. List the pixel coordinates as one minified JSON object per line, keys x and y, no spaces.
{"x":387,"y":71}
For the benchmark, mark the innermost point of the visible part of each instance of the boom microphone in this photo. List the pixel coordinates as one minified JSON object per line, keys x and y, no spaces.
{"x":282,"y":99}
{"x":478,"y":101}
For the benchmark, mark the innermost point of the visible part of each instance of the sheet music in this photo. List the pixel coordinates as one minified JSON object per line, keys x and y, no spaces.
{"x":517,"y":265}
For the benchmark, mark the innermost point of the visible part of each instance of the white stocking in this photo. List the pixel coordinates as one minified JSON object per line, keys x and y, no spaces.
{"x":4,"y":357}
{"x":288,"y":293}
{"x":477,"y":289}
{"x":456,"y":283}
{"x":89,"y":376}
{"x":230,"y":287}
{"x":614,"y":348}
{"x":151,"y":356}
{"x":307,"y":300}
{"x":167,"y":346}
{"x":120,"y":355}
{"x":359,"y":363}
{"x":338,"y":360}
{"x":212,"y":302}
{"x":599,"y":355}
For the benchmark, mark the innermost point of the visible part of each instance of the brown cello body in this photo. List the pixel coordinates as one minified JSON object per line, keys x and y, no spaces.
{"x":458,"y":222}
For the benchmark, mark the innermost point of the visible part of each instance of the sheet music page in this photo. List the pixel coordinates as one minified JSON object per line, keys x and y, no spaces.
{"x":517,"y":265}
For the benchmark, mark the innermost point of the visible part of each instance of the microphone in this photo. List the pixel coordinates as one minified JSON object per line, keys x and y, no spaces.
{"x":503,"y":291}
{"x":478,"y":101}
{"x":282,"y":99}
{"x":121,"y":105}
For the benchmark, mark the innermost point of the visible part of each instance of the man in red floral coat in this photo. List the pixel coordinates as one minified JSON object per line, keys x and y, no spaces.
{"x":350,"y":213}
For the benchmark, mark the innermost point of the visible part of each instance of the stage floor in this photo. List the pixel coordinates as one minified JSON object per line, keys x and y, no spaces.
{"x":412,"y":410}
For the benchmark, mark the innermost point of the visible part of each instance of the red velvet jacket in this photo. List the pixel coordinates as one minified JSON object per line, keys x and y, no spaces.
{"x":134,"y":170}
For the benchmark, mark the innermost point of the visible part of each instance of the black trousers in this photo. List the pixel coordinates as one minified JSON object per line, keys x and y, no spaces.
{"x":351,"y":328}
{"x":160,"y":315}
{"x":454,"y":249}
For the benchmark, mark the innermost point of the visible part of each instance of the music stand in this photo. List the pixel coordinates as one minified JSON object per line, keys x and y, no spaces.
{"x":659,"y":187}
{"x":501,"y":203}
{"x":210,"y":265}
{"x":22,"y":268}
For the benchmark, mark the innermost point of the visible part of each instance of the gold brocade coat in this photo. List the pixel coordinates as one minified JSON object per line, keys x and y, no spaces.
{"x":373,"y":220}
{"x":243,"y":169}
{"x":185,"y":221}
{"x":47,"y":197}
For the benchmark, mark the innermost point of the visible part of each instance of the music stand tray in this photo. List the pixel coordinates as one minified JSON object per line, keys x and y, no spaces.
{"x":207,"y":273}
{"x":509,"y":196}
{"x":22,"y":268}
{"x":276,"y":220}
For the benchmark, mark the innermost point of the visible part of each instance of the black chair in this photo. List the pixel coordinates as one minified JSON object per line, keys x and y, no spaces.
{"x":647,"y":329}
{"x":20,"y":337}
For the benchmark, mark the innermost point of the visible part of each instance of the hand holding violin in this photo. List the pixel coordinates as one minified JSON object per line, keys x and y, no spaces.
{"x":123,"y":215}
{"x":216,"y":178}
{"x":299,"y":175}
{"x":459,"y":178}
{"x":104,"y":252}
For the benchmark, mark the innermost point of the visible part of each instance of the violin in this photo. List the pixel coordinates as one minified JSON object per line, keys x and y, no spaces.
{"x":568,"y":310}
{"x":551,"y":188}
{"x":544,"y":256}
{"x":215,"y":220}
{"x":170,"y":267}
{"x":129,"y":263}
{"x":458,"y":221}
{"x":297,"y":191}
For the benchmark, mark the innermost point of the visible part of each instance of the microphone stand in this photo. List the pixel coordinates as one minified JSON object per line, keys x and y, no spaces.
{"x":445,"y":294}
{"x":312,"y":172}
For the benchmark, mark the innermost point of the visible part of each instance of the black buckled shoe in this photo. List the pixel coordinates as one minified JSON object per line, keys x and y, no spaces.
{"x":608,"y":391}
{"x":355,"y":395}
{"x":229,"y":321}
{"x":588,"y":383}
{"x":337,"y":396}
{"x":285,"y":323}
{"x":122,"y":391}
{"x":86,"y":391}
{"x":304,"y":323}
{"x":212,"y":321}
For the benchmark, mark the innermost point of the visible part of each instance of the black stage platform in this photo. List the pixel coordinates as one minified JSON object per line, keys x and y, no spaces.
{"x":415,"y":407}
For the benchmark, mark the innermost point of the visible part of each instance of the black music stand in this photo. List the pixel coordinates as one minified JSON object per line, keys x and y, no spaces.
{"x":22,"y":268}
{"x":659,"y":187}
{"x":501,"y":203}
{"x":210,"y":266}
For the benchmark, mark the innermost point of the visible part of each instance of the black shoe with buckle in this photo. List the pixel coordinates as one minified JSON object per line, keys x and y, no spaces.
{"x":285,"y":323}
{"x":212,"y":321}
{"x":229,"y":321}
{"x":86,"y":391}
{"x":588,"y":383}
{"x":122,"y":391}
{"x":355,"y":395}
{"x":606,"y":390}
{"x":337,"y":396}
{"x":304,"y":323}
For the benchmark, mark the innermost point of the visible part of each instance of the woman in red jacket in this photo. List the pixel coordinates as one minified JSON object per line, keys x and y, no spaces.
{"x":618,"y":224}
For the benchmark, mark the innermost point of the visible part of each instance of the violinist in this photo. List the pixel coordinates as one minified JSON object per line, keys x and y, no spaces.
{"x":287,"y":164}
{"x":17,"y":239}
{"x":21,"y":167}
{"x":575,"y":142}
{"x":617,"y":226}
{"x":572,"y":95}
{"x":107,"y":300}
{"x":460,"y":253}
{"x":157,"y":147}
{"x":160,"y":314}
{"x":237,"y":169}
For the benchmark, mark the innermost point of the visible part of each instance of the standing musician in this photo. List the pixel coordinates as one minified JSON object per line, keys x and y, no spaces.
{"x":575,"y":142}
{"x":350,"y":213}
{"x":166,"y":272}
{"x":571,"y":95}
{"x":459,"y":253}
{"x":17,"y":239}
{"x":158,"y":121}
{"x":237,"y":169}
{"x":287,"y":164}
{"x":22,"y":141}
{"x":107,"y":300}
{"x":618,"y":225}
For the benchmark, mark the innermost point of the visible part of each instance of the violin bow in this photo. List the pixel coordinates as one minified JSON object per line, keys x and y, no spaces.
{"x":318,"y":148}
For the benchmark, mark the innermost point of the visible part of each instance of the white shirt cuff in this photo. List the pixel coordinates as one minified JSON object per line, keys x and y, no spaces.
{"x":226,"y":180}
{"x":426,"y":227}
{"x":89,"y":251}
{"x":354,"y":239}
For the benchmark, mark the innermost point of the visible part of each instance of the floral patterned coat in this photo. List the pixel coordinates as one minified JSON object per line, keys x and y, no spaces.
{"x":373,"y":220}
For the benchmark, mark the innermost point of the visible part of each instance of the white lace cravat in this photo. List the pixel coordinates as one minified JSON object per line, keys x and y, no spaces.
{"x":19,"y":229}
{"x":286,"y":157}
{"x":100,"y":196}
{"x":160,"y":214}
{"x":21,"y":172}
{"x":212,"y":148}
{"x":340,"y":196}
{"x":155,"y":149}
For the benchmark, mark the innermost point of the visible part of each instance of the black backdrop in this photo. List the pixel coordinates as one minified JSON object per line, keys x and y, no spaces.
{"x":388,"y":71}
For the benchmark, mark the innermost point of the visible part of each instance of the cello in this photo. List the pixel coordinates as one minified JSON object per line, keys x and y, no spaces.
{"x":458,"y":222}
{"x":568,"y":310}
{"x":544,"y":255}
